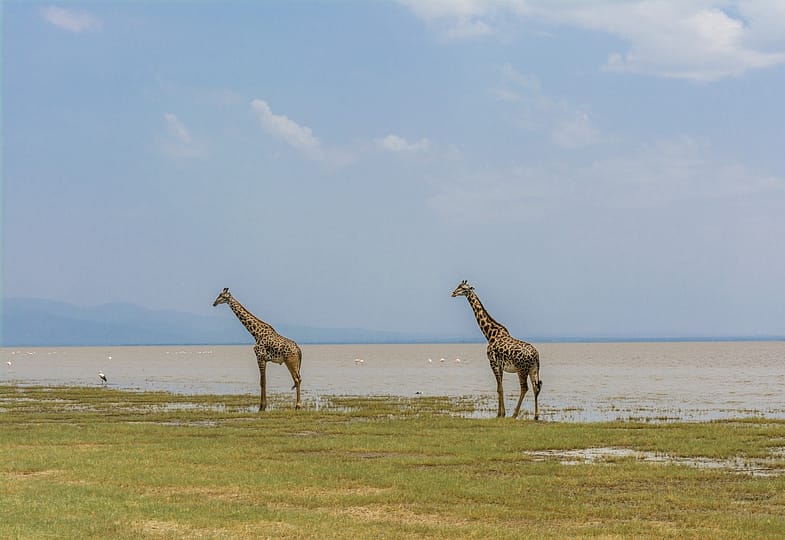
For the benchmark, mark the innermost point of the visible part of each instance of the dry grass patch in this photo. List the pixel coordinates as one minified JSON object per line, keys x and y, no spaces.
{"x":399,"y":513}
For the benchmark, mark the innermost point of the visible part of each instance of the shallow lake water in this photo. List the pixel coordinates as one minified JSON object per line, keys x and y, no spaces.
{"x":687,"y":381}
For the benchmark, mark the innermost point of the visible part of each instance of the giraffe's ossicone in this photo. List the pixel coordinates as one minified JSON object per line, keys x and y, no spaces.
{"x":505,"y":353}
{"x":270,"y":346}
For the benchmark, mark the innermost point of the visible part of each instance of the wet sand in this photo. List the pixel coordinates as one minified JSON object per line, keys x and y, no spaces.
{"x":582,"y":381}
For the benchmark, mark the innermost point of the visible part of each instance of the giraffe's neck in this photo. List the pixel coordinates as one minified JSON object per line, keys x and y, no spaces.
{"x":253,"y":324}
{"x":489,"y":327}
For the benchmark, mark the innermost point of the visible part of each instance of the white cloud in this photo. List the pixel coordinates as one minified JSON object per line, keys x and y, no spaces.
{"x":394,"y":143}
{"x":289,"y":131}
{"x":683,"y":41}
{"x":297,"y":136}
{"x":76,"y":21}
{"x":694,"y":40}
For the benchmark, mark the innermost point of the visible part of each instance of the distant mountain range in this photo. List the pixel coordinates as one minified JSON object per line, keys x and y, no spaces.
{"x":30,"y":322}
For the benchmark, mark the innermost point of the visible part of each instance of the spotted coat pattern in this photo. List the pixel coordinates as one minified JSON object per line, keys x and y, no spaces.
{"x":270,"y":346}
{"x":505,"y":353}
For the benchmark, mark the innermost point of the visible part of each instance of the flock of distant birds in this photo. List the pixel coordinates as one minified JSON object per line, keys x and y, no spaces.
{"x":357,"y":361}
{"x":360,"y":361}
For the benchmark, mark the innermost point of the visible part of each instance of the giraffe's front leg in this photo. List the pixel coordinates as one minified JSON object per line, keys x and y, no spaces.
{"x":524,"y":388}
{"x":500,"y":390}
{"x":499,"y":373}
{"x":261,"y":360}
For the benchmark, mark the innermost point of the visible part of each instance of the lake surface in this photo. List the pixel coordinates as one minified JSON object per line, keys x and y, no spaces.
{"x":581,"y":381}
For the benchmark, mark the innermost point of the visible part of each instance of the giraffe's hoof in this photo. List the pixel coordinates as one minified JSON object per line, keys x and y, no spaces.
{"x":298,"y":406}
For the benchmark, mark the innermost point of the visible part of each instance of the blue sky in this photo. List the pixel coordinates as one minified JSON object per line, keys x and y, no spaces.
{"x":594,"y":168}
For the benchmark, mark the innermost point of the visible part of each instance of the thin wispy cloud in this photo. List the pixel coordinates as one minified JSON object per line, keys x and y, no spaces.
{"x":681,"y":170}
{"x":575,"y":130}
{"x":176,"y":141}
{"x":394,"y":143}
{"x":456,"y":19}
{"x":299,"y":137}
{"x":177,"y":129}
{"x":568,"y":125}
{"x":696,"y":40}
{"x":72,"y":20}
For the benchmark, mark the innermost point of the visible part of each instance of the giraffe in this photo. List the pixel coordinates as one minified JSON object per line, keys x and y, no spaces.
{"x":505,"y":353}
{"x":270,"y":346}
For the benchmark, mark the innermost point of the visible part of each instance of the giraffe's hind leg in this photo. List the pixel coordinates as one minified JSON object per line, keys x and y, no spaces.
{"x":524,"y":388}
{"x":293,"y":364}
{"x":537,"y":384}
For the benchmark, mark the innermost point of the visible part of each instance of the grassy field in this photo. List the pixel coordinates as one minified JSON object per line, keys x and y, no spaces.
{"x":99,"y":463}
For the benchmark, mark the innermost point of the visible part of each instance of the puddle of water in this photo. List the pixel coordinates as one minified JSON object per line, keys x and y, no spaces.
{"x":750,"y":466}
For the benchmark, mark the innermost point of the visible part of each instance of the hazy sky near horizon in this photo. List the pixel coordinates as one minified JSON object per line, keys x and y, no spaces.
{"x":593,"y":168}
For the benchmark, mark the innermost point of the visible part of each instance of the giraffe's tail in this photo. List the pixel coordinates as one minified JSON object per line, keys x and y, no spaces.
{"x":536,"y":381}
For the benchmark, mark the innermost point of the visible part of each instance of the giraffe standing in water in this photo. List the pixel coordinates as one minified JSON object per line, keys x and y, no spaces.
{"x":505,"y":352}
{"x":270,"y":346}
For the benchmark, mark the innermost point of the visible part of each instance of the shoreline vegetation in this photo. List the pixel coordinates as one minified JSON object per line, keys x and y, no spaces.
{"x":98,"y":462}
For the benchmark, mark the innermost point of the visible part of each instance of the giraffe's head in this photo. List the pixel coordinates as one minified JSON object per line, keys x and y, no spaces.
{"x":463,"y":289}
{"x":223,"y":298}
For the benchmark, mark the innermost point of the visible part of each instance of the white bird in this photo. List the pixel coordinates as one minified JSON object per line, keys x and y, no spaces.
{"x":8,"y":363}
{"x":457,"y":360}
{"x":441,"y":359}
{"x":429,"y":360}
{"x":102,"y":376}
{"x":359,"y":361}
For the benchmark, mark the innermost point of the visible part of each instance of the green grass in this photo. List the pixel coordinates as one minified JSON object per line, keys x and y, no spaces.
{"x":99,"y":463}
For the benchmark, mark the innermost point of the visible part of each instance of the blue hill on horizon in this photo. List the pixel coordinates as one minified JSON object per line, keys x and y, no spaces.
{"x":35,"y":322}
